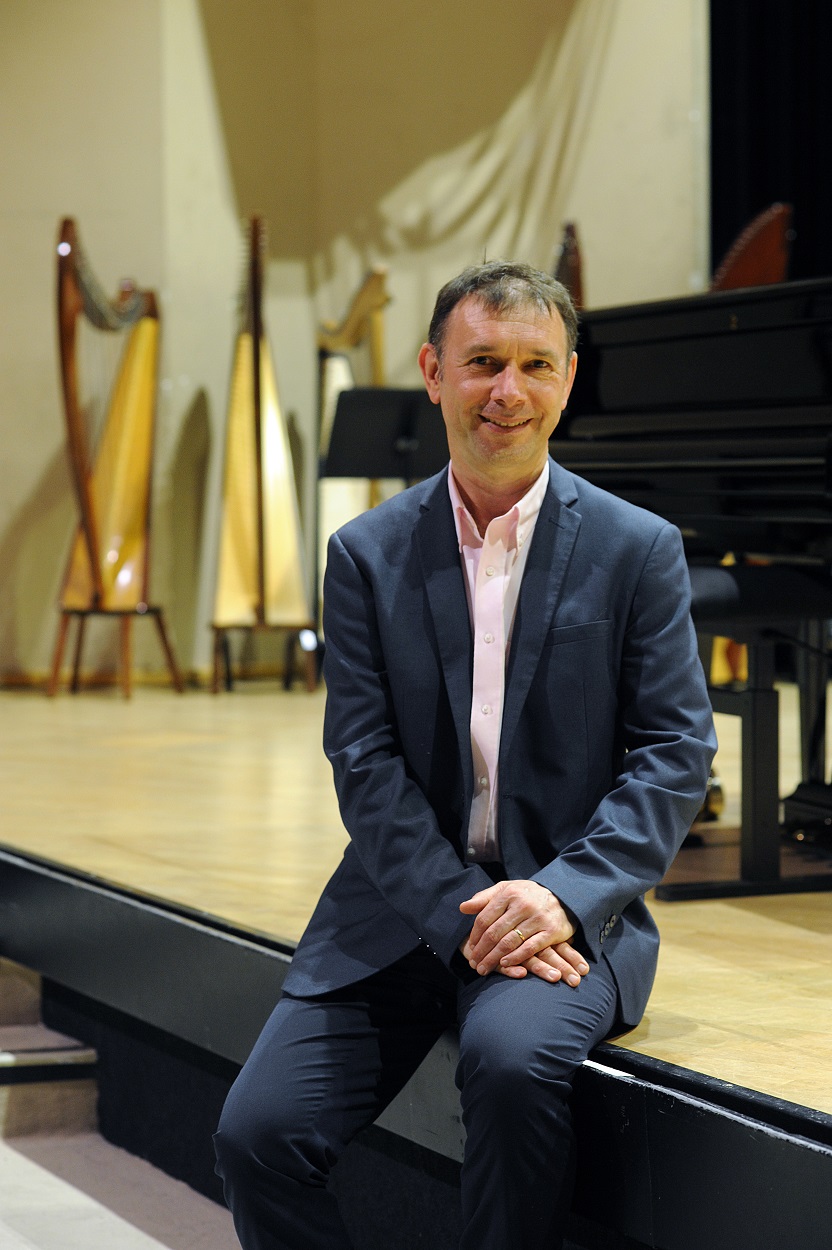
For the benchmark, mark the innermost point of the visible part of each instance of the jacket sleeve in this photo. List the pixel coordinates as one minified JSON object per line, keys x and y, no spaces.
{"x":391,"y":824}
{"x":667,"y":728}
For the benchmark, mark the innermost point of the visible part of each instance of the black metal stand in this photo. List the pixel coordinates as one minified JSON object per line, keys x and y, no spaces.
{"x":385,"y":432}
{"x":795,"y":603}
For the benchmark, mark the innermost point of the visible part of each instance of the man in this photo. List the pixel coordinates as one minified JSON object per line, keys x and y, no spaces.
{"x":521,"y":737}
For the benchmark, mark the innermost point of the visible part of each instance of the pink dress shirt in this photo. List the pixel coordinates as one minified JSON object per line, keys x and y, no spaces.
{"x":493,"y":564}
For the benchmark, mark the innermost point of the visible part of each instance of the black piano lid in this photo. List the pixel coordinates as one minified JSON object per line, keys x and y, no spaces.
{"x":714,"y":411}
{"x":712,"y":312}
{"x":759,"y":347}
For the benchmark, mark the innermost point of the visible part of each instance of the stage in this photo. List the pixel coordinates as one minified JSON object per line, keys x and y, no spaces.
{"x":212,"y":819}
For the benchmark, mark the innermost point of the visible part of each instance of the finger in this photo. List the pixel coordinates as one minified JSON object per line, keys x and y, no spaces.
{"x":519,"y":947}
{"x":558,"y":964}
{"x":540,"y":968}
{"x":491,"y":924}
{"x":513,"y":934}
{"x":499,"y":933}
{"x":573,"y":957}
{"x":505,"y":947}
{"x":477,"y":901}
{"x":514,"y":974}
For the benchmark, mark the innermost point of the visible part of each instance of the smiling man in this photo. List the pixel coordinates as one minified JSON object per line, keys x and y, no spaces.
{"x":520,"y":736}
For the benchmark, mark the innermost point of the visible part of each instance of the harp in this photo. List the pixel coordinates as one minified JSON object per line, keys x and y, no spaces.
{"x":110,"y":427}
{"x":261,"y":582}
{"x":759,"y":256}
{"x":341,"y":499}
{"x":569,"y":265}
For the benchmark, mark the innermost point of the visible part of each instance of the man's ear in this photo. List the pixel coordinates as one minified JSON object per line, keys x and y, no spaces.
{"x":429,"y":364}
{"x":570,"y":377}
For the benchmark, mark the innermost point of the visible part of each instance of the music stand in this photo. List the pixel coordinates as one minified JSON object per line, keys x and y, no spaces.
{"x":384,"y":432}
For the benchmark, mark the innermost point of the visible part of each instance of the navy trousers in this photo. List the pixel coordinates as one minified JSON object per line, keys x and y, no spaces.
{"x":325,"y":1067}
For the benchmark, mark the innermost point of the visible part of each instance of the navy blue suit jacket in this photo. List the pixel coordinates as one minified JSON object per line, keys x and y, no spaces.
{"x":607,"y":734}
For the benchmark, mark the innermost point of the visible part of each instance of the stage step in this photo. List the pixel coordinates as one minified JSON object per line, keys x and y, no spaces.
{"x":19,"y":994}
{"x":47,"y":1080}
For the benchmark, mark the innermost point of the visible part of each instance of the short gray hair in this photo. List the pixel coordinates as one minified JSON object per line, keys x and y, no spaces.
{"x":504,"y":286}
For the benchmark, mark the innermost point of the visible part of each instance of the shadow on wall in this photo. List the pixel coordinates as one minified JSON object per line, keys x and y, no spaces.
{"x":33,"y":554}
{"x":187,"y":524}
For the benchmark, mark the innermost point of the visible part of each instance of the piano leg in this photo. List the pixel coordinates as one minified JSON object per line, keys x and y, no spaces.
{"x":812,"y":664}
{"x":757,"y":705}
{"x":810,"y":806}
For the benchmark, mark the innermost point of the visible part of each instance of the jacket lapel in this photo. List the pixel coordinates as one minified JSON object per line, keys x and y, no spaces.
{"x":552,"y":545}
{"x":445,"y":588}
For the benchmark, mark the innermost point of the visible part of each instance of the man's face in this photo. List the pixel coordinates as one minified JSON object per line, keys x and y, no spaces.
{"x":503,"y":383}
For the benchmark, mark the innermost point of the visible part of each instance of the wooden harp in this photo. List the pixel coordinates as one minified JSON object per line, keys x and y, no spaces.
{"x":261,"y":581}
{"x":759,"y":256}
{"x":110,"y":431}
{"x":569,"y":265}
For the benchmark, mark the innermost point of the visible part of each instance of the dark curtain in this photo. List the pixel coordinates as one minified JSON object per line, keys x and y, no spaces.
{"x":771,"y":123}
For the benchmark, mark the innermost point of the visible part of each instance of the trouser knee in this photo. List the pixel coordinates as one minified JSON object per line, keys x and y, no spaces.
{"x":261,"y":1138}
{"x":511,"y":1093}
{"x":232,"y":1142}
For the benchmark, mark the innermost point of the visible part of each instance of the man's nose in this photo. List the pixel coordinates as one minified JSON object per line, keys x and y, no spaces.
{"x":507,"y":387}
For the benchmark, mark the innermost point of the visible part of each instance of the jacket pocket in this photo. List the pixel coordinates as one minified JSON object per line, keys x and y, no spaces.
{"x":576,"y":633}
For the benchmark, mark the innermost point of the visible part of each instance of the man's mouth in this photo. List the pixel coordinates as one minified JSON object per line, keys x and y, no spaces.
{"x":506,"y":425}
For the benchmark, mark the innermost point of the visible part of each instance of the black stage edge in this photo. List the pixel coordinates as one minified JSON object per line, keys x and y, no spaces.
{"x":173,"y":1001}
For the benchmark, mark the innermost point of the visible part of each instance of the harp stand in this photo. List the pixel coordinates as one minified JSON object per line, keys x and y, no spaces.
{"x":125,"y":619}
{"x":223,"y":678}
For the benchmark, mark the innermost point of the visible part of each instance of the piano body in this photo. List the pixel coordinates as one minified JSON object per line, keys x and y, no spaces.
{"x":715,"y":411}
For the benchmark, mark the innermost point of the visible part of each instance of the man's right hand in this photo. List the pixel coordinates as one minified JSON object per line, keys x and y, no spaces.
{"x":561,"y":962}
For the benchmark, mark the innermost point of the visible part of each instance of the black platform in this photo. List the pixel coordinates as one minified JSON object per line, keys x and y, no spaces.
{"x":688,"y":1162}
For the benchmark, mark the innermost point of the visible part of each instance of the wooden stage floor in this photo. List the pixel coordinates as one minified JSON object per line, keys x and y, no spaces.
{"x":224,"y":804}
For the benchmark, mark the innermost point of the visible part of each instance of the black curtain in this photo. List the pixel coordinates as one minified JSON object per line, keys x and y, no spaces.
{"x":771,"y":123}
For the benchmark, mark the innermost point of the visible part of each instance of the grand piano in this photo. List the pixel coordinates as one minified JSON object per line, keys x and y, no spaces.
{"x":715,"y":411}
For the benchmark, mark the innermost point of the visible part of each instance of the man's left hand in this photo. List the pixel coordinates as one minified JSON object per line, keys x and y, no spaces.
{"x":521,"y":926}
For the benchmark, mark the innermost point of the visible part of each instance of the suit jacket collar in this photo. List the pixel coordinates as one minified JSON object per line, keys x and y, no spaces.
{"x":553,"y":542}
{"x":445,"y":588}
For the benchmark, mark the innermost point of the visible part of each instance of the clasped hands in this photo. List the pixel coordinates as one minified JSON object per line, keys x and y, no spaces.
{"x":521,"y":928}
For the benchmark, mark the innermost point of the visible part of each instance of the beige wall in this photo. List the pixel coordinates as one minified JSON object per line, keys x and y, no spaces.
{"x":421,"y":134}
{"x":641,"y":191}
{"x":73,"y":142}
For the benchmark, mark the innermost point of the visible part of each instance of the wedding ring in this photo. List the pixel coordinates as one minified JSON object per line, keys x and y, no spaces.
{"x":520,"y":935}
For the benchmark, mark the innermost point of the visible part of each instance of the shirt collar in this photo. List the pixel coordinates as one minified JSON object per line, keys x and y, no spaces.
{"x":521,"y":518}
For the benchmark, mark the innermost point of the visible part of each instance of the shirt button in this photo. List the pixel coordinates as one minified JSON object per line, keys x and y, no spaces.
{"x":484,"y":782}
{"x":486,"y":709}
{"x":489,"y":572}
{"x":471,"y":852}
{"x":488,"y":637}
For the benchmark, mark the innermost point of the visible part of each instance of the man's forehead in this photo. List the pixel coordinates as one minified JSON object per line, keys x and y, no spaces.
{"x":472,"y":317}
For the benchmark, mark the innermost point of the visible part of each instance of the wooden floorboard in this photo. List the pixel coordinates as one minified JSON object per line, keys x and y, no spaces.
{"x":224,"y":804}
